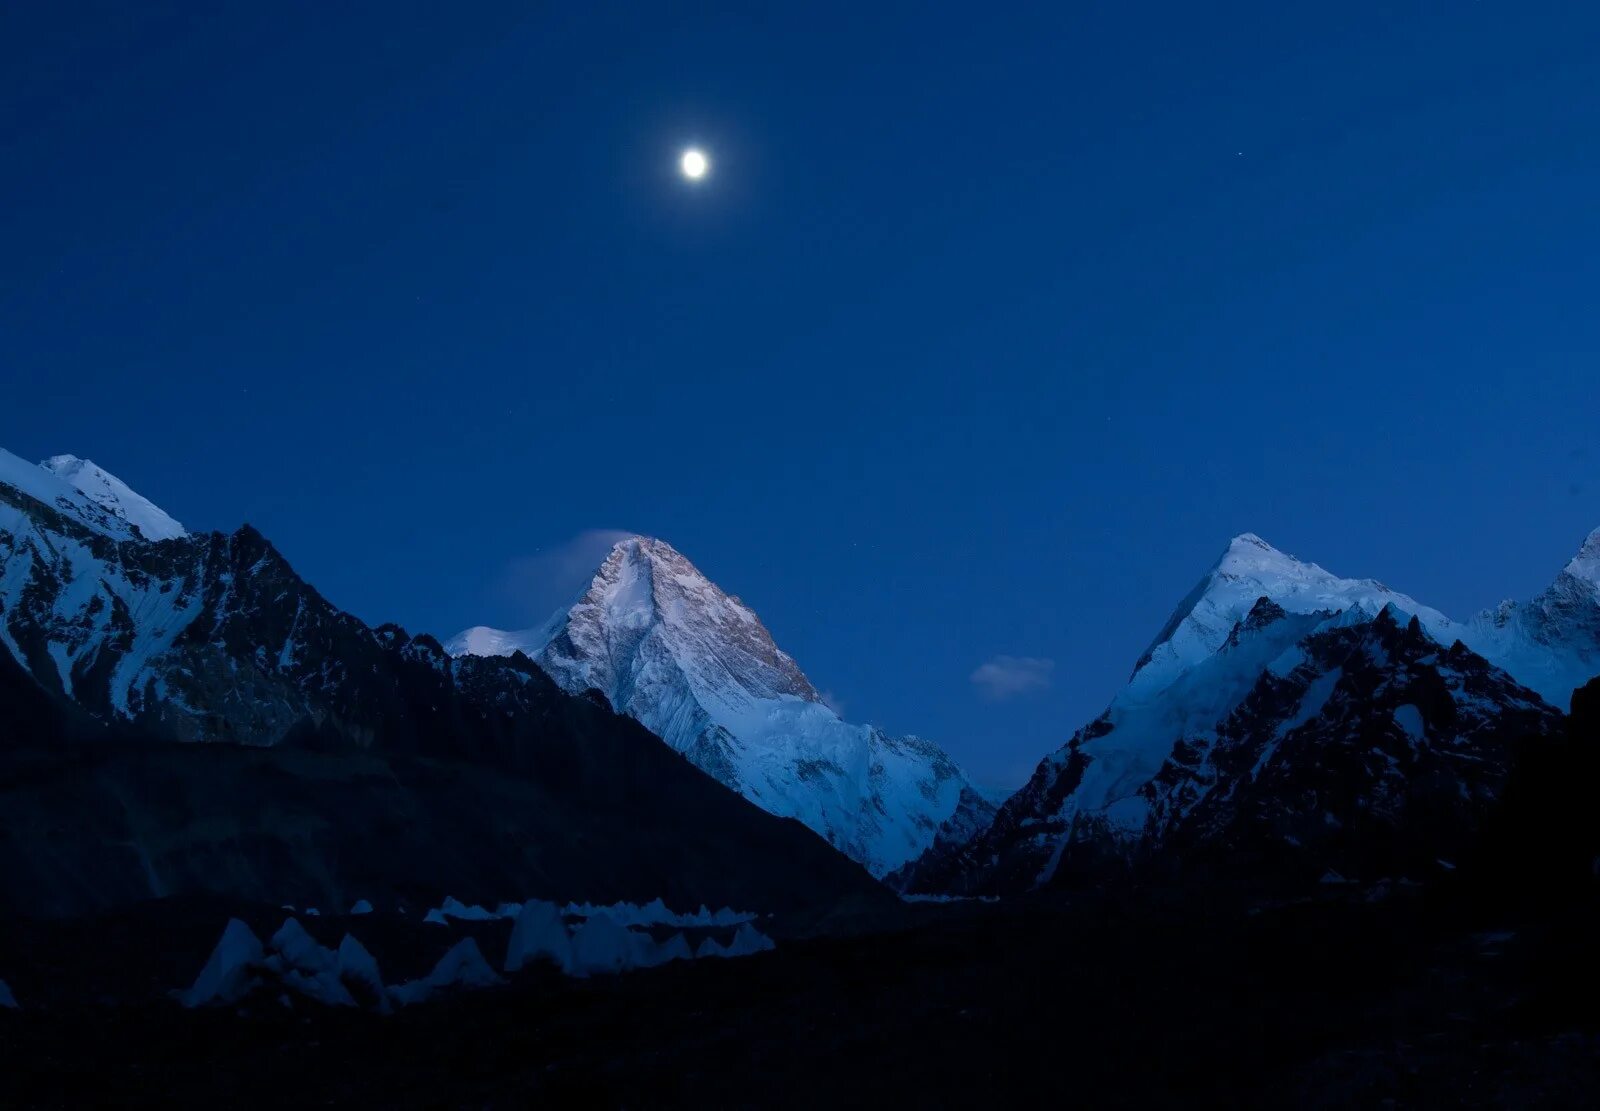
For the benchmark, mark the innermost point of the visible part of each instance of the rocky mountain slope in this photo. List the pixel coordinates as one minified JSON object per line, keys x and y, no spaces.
{"x":377,"y":763}
{"x":666,"y":646}
{"x":1287,"y":717}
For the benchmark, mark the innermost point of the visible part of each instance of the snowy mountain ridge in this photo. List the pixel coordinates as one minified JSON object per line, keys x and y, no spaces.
{"x":1249,"y":569}
{"x":698,"y":668}
{"x":1552,"y":642}
{"x":115,"y":497}
{"x":43,"y":485}
{"x":1253,"y":656}
{"x":414,"y":769}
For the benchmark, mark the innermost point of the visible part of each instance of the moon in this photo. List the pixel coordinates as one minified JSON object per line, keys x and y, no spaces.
{"x":694,"y":164}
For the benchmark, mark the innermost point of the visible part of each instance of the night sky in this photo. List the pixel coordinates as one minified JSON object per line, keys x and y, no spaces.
{"x":986,"y":332}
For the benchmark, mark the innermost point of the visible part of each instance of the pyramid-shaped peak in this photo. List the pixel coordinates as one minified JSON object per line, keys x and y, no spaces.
{"x":645,"y":585}
{"x":649,"y":549}
{"x":1248,"y":553}
{"x":668,"y":647}
{"x":642,"y":569}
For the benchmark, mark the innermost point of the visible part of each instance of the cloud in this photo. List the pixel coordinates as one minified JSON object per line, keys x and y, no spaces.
{"x":537,"y":585}
{"x":832,"y":702}
{"x":1012,"y":676}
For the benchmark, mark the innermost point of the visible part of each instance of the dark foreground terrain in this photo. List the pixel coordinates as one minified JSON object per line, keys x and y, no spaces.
{"x":1344,"y":998}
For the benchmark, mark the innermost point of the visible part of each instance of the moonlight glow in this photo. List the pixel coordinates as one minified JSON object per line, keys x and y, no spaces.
{"x":694,"y":164}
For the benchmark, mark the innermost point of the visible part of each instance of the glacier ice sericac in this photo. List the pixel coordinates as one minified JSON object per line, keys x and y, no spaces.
{"x":462,"y":967}
{"x":229,"y":971}
{"x":539,"y":934}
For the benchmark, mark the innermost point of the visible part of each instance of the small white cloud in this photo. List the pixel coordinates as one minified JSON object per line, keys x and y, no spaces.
{"x":832,"y":702}
{"x":553,"y":577}
{"x":1010,"y":676}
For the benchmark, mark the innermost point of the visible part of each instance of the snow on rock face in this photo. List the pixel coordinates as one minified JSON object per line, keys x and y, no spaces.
{"x":1379,"y":727}
{"x":1585,"y":566}
{"x":697,"y":667}
{"x":1251,"y":569}
{"x":7,"y":1000}
{"x":361,"y":907}
{"x":1248,"y":679}
{"x":1551,"y":643}
{"x":115,"y":496}
{"x":201,"y":637}
{"x":229,"y":972}
{"x":49,"y":489}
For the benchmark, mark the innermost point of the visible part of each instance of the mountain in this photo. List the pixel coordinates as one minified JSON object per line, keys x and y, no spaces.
{"x":115,"y":496}
{"x":666,"y":646}
{"x":1249,"y":569}
{"x":366,"y":763}
{"x":1551,"y":643}
{"x":1276,"y":697}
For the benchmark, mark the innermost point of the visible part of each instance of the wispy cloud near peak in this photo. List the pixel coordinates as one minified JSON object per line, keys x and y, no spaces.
{"x":1006,"y":677}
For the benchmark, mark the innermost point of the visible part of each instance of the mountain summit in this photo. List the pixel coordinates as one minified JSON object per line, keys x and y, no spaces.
{"x":363,"y":762}
{"x":115,"y":496}
{"x":696,"y":666}
{"x":1249,"y":569}
{"x":1551,"y":642}
{"x":1286,"y":714}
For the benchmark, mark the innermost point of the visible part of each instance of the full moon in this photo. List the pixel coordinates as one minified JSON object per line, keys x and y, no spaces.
{"x":694,"y":164}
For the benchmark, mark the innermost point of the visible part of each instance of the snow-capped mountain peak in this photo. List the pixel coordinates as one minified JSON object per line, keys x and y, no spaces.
{"x":1250,"y":569}
{"x":1280,"y":705}
{"x":669,"y":647}
{"x":38,"y":485}
{"x":1585,"y":566}
{"x":646,"y":586}
{"x":1551,"y":642}
{"x":115,"y":496}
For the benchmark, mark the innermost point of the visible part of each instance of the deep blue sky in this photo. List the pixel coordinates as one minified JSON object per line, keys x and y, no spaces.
{"x":990,"y":329}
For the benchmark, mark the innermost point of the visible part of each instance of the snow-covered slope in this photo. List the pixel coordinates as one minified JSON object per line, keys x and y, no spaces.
{"x":374,"y":759}
{"x":1250,"y":624}
{"x":75,"y":596}
{"x":698,"y":668}
{"x":45,"y":486}
{"x":1251,"y":569}
{"x":115,"y":496}
{"x":1551,"y":643}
